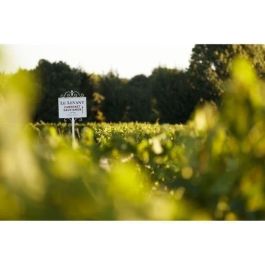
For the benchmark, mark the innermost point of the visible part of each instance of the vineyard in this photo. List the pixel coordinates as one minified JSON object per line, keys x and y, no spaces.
{"x":211,"y":168}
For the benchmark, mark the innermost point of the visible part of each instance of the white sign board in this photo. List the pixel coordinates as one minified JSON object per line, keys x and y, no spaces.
{"x":72,"y":107}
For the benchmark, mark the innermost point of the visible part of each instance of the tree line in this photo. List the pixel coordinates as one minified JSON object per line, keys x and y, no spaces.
{"x":166,"y":96}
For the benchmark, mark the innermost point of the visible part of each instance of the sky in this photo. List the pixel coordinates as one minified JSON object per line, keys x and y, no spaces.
{"x":127,"y":36}
{"x":126,"y":60}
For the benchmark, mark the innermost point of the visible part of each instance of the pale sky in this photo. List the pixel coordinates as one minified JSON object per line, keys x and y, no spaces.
{"x":130,"y":37}
{"x":127,"y":36}
{"x":126,"y":60}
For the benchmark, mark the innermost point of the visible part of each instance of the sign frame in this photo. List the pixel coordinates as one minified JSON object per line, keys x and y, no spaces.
{"x":77,"y":109}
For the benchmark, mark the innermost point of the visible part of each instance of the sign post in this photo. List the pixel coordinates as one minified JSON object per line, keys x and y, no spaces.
{"x":73,"y":130}
{"x":72,"y":105}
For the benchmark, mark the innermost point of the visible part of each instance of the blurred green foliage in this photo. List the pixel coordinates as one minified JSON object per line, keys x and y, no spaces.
{"x":211,"y":168}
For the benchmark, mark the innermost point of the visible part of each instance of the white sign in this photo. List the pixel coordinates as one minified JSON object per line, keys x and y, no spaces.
{"x":72,"y":107}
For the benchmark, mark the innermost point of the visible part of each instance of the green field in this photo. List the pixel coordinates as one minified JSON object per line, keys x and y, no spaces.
{"x":210,"y":168}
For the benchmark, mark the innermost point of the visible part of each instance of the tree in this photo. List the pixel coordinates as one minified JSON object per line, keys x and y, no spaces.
{"x":209,"y":66}
{"x":138,"y":100}
{"x":112,"y":88}
{"x":172,"y":94}
{"x":54,"y":80}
